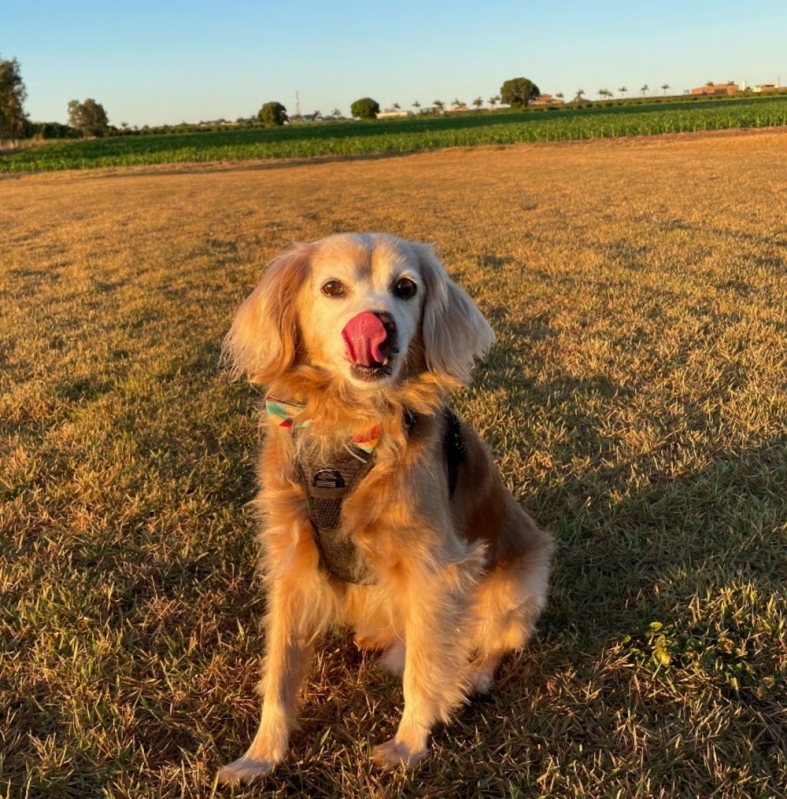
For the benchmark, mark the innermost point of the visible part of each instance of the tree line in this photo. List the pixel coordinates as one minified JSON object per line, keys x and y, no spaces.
{"x":517,"y":93}
{"x":89,"y":118}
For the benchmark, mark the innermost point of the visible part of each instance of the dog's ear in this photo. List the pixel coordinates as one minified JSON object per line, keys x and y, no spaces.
{"x":455,"y":331}
{"x":263,"y":340}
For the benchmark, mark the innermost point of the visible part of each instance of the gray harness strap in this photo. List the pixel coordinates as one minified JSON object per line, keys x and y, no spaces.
{"x":327,"y":486}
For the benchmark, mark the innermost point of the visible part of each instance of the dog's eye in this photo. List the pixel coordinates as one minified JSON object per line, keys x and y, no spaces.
{"x":405,"y":288}
{"x":333,"y":288}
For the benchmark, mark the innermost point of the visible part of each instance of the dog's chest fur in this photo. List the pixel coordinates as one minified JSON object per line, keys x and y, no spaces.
{"x":328,"y":480}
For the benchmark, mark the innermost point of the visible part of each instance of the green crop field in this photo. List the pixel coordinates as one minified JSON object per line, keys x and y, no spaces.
{"x":405,"y":135}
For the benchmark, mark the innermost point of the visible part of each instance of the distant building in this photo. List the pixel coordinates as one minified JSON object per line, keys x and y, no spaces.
{"x":766,"y":87}
{"x":716,"y":89}
{"x":545,"y":100}
{"x":396,"y":113}
{"x":220,"y":123}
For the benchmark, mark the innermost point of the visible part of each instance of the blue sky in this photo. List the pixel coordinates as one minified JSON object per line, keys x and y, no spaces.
{"x":169,"y":61}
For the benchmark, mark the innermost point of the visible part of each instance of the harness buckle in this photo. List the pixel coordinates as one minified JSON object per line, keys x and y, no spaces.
{"x":328,"y":478}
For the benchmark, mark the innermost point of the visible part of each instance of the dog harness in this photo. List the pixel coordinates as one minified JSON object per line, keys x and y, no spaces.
{"x":327,"y":485}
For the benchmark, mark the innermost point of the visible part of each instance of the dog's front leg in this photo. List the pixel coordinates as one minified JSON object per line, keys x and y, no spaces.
{"x":288,"y":652}
{"x":436,"y":653}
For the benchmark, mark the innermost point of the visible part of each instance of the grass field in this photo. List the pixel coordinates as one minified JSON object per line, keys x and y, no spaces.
{"x":635,"y":401}
{"x":405,"y":135}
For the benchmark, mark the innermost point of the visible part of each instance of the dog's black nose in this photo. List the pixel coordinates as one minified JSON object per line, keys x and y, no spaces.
{"x":387,"y":320}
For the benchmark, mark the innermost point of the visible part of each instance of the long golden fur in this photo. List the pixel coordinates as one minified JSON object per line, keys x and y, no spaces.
{"x":460,"y":580}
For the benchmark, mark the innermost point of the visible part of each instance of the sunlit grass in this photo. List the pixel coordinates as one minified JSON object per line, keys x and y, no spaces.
{"x":635,"y":402}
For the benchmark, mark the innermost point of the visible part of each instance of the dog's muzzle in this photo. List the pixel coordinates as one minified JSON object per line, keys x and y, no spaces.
{"x":370,"y":338}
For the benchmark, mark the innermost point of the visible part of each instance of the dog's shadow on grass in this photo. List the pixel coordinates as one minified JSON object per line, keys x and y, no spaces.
{"x":633,"y":508}
{"x":651,"y":511}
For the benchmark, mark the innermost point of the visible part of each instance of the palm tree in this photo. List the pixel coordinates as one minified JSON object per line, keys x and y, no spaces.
{"x":439,"y":104}
{"x":645,"y":89}
{"x":665,"y":87}
{"x":710,"y":83}
{"x":578,"y":98}
{"x":492,"y":101}
{"x":623,"y":90}
{"x":396,"y":106}
{"x":559,"y":95}
{"x":416,"y":105}
{"x":478,"y":102}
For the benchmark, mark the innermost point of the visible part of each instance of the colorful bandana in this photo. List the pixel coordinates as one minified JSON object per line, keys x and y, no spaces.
{"x":282,"y":413}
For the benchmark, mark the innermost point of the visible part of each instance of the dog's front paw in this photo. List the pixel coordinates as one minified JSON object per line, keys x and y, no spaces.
{"x":392,"y":754}
{"x":243,"y":769}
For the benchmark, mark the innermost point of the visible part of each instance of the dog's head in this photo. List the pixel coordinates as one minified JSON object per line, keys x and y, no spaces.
{"x":367,"y":309}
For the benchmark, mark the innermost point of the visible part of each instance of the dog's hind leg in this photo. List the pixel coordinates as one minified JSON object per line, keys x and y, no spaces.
{"x":375,"y":640}
{"x":391,"y":646}
{"x":481,"y":675}
{"x":393,"y":659}
{"x":507,"y":605}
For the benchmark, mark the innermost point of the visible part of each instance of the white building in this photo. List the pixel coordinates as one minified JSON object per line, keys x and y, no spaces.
{"x":391,"y":114}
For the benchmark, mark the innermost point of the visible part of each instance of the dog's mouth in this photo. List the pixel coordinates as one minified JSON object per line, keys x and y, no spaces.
{"x":370,"y":341}
{"x":374,"y":371}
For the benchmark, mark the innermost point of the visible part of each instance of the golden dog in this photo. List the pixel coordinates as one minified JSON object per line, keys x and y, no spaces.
{"x":380,"y":509}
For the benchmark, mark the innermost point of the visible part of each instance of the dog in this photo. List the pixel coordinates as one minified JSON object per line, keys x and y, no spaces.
{"x":380,"y":509}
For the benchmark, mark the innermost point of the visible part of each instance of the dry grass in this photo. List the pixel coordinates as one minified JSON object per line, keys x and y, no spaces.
{"x":636,"y":402}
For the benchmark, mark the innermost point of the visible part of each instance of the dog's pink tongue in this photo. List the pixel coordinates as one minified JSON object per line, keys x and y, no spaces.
{"x":363,"y":335}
